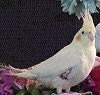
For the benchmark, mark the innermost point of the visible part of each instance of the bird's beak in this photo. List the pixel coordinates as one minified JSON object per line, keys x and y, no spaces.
{"x":91,"y":36}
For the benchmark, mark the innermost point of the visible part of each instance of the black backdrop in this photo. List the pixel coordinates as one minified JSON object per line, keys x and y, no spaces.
{"x":33,"y":30}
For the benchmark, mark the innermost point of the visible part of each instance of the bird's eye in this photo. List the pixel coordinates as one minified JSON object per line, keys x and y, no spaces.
{"x":82,"y":32}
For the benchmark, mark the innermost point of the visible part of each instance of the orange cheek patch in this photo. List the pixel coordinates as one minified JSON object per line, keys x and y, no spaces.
{"x":78,"y":37}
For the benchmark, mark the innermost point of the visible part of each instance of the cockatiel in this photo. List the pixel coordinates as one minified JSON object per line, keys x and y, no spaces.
{"x":71,"y":65}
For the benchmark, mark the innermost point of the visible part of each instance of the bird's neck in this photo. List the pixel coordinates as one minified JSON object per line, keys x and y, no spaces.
{"x":83,"y":43}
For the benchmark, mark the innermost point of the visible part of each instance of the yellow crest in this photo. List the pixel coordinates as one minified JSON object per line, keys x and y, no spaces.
{"x":88,"y":21}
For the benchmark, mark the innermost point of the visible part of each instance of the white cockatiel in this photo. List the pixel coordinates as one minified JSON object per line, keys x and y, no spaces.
{"x":71,"y":65}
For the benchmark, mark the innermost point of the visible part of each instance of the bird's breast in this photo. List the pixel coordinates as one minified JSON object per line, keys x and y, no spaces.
{"x":85,"y":68}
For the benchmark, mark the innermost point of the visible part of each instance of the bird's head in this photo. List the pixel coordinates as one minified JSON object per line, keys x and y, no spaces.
{"x":86,"y":35}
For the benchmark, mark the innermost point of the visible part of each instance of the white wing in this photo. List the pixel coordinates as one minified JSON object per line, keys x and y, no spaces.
{"x":61,"y":62}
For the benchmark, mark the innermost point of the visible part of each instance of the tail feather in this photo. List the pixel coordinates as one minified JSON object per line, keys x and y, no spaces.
{"x":27,"y":75}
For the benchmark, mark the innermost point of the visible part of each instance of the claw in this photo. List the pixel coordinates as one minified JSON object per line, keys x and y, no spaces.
{"x":53,"y":94}
{"x":87,"y":93}
{"x":71,"y":93}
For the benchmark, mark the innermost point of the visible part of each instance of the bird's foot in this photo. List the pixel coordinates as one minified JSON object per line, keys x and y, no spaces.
{"x":87,"y":93}
{"x":69,"y":93}
{"x":74,"y":93}
{"x":54,"y":94}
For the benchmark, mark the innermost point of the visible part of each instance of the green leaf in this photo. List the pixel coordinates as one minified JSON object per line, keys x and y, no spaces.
{"x":52,"y":91}
{"x":23,"y":91}
{"x":0,"y":65}
{"x":15,"y":89}
{"x":35,"y":91}
{"x":49,"y":90}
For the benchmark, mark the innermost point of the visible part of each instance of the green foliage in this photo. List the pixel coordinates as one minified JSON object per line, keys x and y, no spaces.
{"x":32,"y":91}
{"x":49,"y":90}
{"x":15,"y":89}
{"x":2,"y":65}
{"x":80,"y":6}
{"x":35,"y":91}
{"x":26,"y":91}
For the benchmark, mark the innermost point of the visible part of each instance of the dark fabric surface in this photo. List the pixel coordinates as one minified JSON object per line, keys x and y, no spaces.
{"x":33,"y":30}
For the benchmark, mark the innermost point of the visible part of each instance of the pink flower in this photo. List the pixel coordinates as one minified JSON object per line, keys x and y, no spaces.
{"x":7,"y":81}
{"x":24,"y":82}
